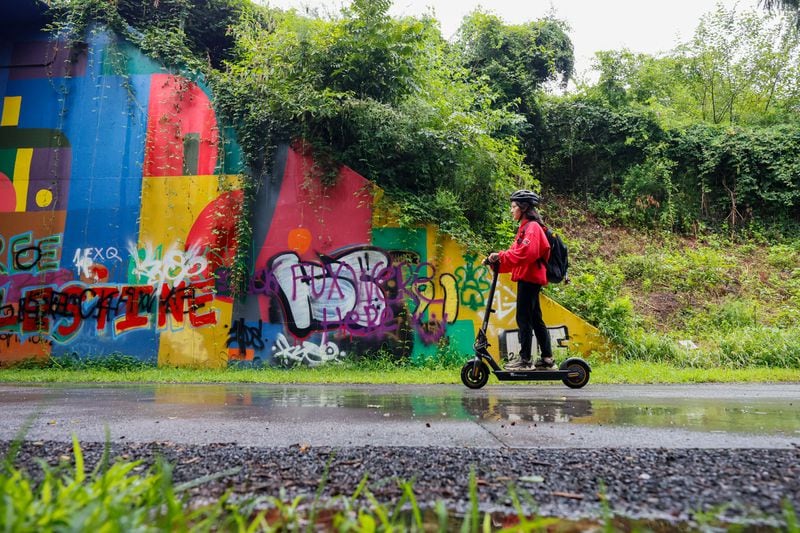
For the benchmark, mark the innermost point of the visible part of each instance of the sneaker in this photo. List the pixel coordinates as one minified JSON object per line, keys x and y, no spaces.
{"x":517,"y":364}
{"x":545,"y":363}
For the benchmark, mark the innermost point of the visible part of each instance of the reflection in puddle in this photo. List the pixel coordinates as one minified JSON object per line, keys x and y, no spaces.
{"x":763,"y":416}
{"x":766,"y":416}
{"x":546,"y":410}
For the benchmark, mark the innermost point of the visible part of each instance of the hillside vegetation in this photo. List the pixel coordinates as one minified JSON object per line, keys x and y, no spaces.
{"x":701,"y":300}
{"x":675,"y":178}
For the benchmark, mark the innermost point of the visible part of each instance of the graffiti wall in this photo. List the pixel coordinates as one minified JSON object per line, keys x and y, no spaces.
{"x":118,"y":212}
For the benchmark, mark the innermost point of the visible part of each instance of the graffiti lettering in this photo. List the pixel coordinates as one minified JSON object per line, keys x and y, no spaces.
{"x":62,"y":313}
{"x":472,"y":279}
{"x":509,"y":340}
{"x":28,"y":255}
{"x":31,"y":254}
{"x":85,"y":259}
{"x":244,"y":336}
{"x":359,"y":291}
{"x":306,"y":353}
{"x":433,"y":305}
{"x":505,"y":302}
{"x":343,"y":292}
{"x":7,"y":339}
{"x":171,"y":266}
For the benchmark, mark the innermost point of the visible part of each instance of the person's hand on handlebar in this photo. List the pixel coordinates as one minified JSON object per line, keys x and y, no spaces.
{"x":493,"y":258}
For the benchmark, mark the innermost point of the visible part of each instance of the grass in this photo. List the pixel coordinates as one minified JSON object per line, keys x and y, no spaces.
{"x":112,"y":497}
{"x":633,"y":372}
{"x":119,"y":496}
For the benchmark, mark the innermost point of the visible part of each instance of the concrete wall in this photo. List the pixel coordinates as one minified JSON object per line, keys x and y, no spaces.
{"x":118,"y":206}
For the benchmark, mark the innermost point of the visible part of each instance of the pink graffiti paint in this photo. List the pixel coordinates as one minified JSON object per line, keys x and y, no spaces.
{"x":214,"y":233}
{"x":8,"y":195}
{"x":306,"y":203}
{"x":305,"y":216}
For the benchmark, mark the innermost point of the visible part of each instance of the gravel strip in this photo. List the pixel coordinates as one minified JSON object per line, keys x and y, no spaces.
{"x":657,"y":484}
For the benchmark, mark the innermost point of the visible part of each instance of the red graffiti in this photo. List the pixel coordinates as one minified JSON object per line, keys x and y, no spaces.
{"x":61,"y":313}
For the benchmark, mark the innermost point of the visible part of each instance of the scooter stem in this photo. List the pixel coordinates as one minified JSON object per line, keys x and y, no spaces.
{"x":489,"y":310}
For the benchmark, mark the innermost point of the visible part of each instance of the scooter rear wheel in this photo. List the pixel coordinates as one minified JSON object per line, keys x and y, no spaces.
{"x":580,"y":371}
{"x":474,"y":375}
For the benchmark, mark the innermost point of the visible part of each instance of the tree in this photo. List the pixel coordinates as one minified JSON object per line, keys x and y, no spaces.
{"x":202,"y":24}
{"x":517,"y":62}
{"x":517,"y":59}
{"x":387,"y":97}
{"x":627,"y":78}
{"x":743,"y":67}
{"x":739,"y":68}
{"x":791,"y":7}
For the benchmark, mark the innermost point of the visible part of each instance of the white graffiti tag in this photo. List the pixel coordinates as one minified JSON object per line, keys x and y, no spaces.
{"x":505,"y":302}
{"x":86,"y":258}
{"x":509,"y":340}
{"x":172,"y":265}
{"x":344,"y":292}
{"x":306,"y":353}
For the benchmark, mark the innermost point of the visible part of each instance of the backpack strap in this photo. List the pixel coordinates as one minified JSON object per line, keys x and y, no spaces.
{"x":545,"y":230}
{"x":522,"y":230}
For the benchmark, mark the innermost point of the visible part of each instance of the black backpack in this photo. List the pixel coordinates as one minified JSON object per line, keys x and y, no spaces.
{"x":558,"y":263}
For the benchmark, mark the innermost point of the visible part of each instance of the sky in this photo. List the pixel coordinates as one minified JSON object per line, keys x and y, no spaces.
{"x":648,"y":26}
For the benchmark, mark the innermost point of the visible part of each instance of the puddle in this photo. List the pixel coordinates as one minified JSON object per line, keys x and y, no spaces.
{"x":739,"y":413}
{"x":763,"y":416}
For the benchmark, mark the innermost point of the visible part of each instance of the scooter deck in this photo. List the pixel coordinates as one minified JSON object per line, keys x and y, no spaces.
{"x":532,"y":375}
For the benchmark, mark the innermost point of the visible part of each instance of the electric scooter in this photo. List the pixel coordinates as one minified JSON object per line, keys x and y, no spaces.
{"x":574,"y":372}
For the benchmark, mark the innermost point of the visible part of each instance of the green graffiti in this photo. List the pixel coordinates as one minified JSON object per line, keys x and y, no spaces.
{"x":473,"y":281}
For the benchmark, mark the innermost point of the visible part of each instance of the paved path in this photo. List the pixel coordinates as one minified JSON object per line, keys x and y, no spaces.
{"x":528,"y":416}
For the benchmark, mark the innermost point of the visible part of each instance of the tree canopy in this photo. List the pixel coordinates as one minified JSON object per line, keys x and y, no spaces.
{"x":388,"y":97}
{"x":704,"y":134}
{"x":791,"y":7}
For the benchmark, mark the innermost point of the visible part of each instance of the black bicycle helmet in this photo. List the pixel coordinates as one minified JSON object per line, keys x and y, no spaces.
{"x":524,"y":195}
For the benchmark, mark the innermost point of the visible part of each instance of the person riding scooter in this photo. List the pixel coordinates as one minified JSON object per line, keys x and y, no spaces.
{"x":525,"y":259}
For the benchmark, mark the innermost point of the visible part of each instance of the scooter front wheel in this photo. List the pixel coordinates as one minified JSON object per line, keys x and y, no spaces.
{"x":474,"y":374}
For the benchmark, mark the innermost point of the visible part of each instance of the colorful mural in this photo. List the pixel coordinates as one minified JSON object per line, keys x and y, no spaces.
{"x":118,"y":212}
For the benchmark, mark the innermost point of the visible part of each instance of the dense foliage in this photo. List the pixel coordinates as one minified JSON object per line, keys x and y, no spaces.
{"x":705,"y":136}
{"x":387,"y":97}
{"x":641,"y":173}
{"x":190,"y":33}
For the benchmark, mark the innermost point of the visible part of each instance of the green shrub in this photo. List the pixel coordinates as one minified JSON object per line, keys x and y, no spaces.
{"x":784,"y":256}
{"x":596,"y":298}
{"x":647,"y":268}
{"x":691,"y":270}
{"x":758,"y":346}
{"x":731,"y":314}
{"x":651,"y":347}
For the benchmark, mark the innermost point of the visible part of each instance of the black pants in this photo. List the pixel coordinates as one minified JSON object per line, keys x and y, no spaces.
{"x":529,"y":321}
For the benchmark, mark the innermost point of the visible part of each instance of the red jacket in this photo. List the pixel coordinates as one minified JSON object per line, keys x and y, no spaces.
{"x":526,"y":257}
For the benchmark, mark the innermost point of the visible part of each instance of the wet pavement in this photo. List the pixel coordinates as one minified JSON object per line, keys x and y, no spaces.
{"x":620,"y":416}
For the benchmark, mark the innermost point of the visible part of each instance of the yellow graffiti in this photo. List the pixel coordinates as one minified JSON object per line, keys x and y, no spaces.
{"x":11,"y":107}
{"x":170,"y":206}
{"x":22,"y":171}
{"x":44,"y":197}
